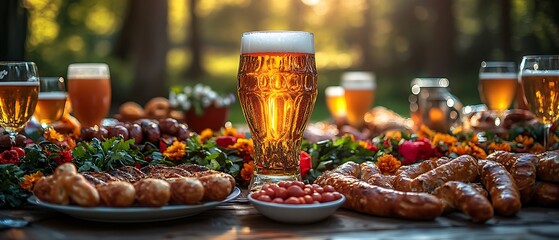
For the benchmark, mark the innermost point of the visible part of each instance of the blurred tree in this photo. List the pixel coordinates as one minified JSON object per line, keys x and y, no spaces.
{"x":364,"y":39}
{"x":13,"y":22}
{"x":441,"y":45}
{"x":505,"y":26}
{"x":195,"y":70}
{"x":143,"y":40}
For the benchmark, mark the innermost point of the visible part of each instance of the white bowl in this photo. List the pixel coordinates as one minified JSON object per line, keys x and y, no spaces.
{"x":296,"y":213}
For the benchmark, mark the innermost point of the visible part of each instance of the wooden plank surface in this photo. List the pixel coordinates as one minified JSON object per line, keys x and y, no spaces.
{"x":241,"y":220}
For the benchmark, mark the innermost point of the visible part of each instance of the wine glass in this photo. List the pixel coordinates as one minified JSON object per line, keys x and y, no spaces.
{"x":539,"y":75}
{"x":52,"y":99}
{"x":497,"y":86}
{"x":19,"y":88}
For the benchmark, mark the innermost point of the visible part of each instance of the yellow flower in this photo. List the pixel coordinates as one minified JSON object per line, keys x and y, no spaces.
{"x":425,"y":132}
{"x":524,"y":140}
{"x":350,"y":136}
{"x":229,"y":132}
{"x":445,"y":139}
{"x":29,"y":180}
{"x":176,"y":151}
{"x":363,"y":144}
{"x":247,"y":171}
{"x":397,"y":135}
{"x":388,"y":163}
{"x":205,"y":135}
{"x":499,"y":147}
{"x":52,"y":135}
{"x":245,"y":146}
{"x":537,"y":148}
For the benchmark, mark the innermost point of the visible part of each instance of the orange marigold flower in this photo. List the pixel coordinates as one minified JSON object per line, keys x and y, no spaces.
{"x":425,"y":132}
{"x":499,"y":147}
{"x":478,"y":152}
{"x":524,"y":140}
{"x":445,"y":139}
{"x":247,"y":171}
{"x":29,"y":180}
{"x":474,"y":139}
{"x":205,"y":135}
{"x":397,"y":135}
{"x":245,"y":146}
{"x":388,"y":163}
{"x":53,"y":136}
{"x":363,"y":144}
{"x":176,"y":151}
{"x":537,"y":148}
{"x":462,"y":149}
{"x":230,"y":132}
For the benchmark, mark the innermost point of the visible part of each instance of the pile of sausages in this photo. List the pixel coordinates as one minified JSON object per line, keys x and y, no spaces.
{"x":500,"y":184}
{"x":157,"y":186}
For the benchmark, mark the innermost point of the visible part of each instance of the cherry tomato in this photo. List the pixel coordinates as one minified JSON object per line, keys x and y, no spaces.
{"x":255,"y":195}
{"x":317,"y":197}
{"x":315,"y":202}
{"x":329,"y":188}
{"x":270,"y":192}
{"x":297,"y":183}
{"x":319,"y":189}
{"x":20,"y":152}
{"x":281,"y":192}
{"x":277,"y":200}
{"x":308,"y":191}
{"x":265,"y":198}
{"x":308,"y":199}
{"x":295,"y":191}
{"x":337,"y":195}
{"x":292,"y":200}
{"x":314,"y":185}
{"x":327,"y":197}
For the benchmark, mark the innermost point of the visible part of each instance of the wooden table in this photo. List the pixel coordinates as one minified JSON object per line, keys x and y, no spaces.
{"x":241,"y":220}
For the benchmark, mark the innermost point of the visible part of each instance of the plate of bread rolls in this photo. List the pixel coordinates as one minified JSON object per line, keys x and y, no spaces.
{"x":128,"y":194}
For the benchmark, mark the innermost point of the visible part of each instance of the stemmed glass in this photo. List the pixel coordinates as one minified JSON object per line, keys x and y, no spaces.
{"x":497,"y":86}
{"x":19,"y":88}
{"x":52,"y":99}
{"x":540,"y":81}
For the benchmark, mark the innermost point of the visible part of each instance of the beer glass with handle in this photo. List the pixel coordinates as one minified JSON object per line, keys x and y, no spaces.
{"x":539,"y":75}
{"x":497,"y":86}
{"x":277,"y":88}
{"x":19,"y":88}
{"x":359,"y":95}
{"x":89,"y":89}
{"x":52,"y":100}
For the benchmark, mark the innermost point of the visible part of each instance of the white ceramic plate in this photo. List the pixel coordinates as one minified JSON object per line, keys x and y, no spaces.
{"x":133,"y":214}
{"x":297,"y":214}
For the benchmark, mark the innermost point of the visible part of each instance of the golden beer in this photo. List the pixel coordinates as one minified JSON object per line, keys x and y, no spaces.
{"x":335,"y":101}
{"x":50,"y":106}
{"x":359,"y":92}
{"x":17,"y":104}
{"x":89,"y":89}
{"x":277,"y":88}
{"x":497,"y":90}
{"x":541,"y":89}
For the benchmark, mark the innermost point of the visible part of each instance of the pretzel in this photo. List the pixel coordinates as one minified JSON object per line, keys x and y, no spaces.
{"x":42,"y":189}
{"x":364,"y":197}
{"x":462,"y":168}
{"x":152,"y":192}
{"x":548,"y":166}
{"x":117,"y":194}
{"x":464,"y":197}
{"x":370,"y":173}
{"x":405,"y":176}
{"x":547,"y":194}
{"x":81,"y":191}
{"x":522,"y":167}
{"x":502,"y":188}
{"x":216,"y":187}
{"x":186,"y":190}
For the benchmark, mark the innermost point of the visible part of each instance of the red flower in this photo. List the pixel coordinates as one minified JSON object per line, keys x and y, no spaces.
{"x":9,"y":157}
{"x":413,"y":151}
{"x":246,"y":158}
{"x":63,"y":157}
{"x":162,"y":146}
{"x":371,"y":147}
{"x":305,"y":163}
{"x":20,"y":152}
{"x":137,"y":165}
{"x":225,"y":141}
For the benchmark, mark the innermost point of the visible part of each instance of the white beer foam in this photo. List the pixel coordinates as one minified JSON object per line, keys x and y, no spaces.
{"x":358,"y":80}
{"x":53,"y":95}
{"x":540,"y":73}
{"x":19,"y":84}
{"x":277,"y":41}
{"x":85,"y":71}
{"x":486,"y":75}
{"x":334,"y":91}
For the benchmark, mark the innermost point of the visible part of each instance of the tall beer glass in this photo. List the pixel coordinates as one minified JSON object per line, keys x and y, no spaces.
{"x":89,"y":89}
{"x":277,"y":87}
{"x":539,"y":75}
{"x":497,"y":86}
{"x":359,"y":95}
{"x":19,"y":88}
{"x":52,"y":99}
{"x":335,"y":101}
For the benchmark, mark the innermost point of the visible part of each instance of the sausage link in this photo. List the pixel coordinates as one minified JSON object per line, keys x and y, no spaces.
{"x":547,"y":194}
{"x":464,"y":197}
{"x":548,"y":166}
{"x":502,"y":188}
{"x":463,"y":168}
{"x":522,"y":167}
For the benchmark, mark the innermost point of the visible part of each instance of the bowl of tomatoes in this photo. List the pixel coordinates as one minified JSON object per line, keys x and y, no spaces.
{"x":296,"y":202}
